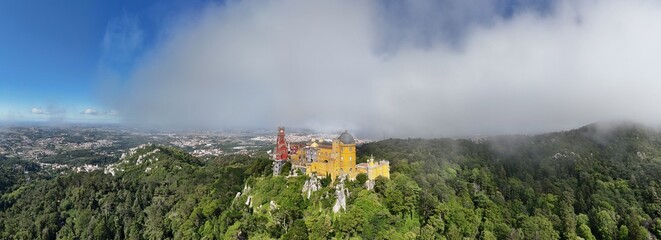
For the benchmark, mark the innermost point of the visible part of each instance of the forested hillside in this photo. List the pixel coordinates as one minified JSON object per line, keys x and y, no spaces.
{"x":596,"y":182}
{"x":600,"y":181}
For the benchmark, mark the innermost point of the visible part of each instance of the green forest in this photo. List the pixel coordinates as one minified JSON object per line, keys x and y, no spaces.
{"x":595,"y":182}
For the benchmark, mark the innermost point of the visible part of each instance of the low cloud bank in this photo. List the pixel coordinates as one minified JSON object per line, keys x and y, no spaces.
{"x":349,"y":65}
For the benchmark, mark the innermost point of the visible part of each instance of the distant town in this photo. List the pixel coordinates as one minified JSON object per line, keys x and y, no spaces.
{"x":92,"y":148}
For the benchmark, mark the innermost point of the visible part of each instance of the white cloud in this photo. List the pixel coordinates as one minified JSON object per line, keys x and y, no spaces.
{"x":94,"y":112}
{"x":51,"y":113}
{"x":90,"y":111}
{"x":322,"y":65}
{"x":38,"y":111}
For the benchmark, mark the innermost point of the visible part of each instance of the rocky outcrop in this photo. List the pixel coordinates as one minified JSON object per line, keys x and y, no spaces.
{"x":369,"y":184}
{"x":311,"y":185}
{"x":341,"y":194}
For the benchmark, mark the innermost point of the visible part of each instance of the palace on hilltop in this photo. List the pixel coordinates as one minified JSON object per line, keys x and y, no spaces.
{"x":320,"y":158}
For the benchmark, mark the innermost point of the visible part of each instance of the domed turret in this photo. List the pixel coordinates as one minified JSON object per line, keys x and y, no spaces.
{"x":346,"y":138}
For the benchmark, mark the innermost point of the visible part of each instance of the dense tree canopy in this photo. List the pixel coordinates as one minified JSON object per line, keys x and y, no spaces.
{"x":590,"y":183}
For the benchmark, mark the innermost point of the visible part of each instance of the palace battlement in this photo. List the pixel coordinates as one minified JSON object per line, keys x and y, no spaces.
{"x":321,"y":159}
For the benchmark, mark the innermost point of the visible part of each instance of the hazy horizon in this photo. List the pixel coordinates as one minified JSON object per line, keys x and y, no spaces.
{"x":601,"y":126}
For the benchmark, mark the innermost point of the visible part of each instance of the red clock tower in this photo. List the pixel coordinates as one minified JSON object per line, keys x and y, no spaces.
{"x":281,"y":154}
{"x":281,"y":151}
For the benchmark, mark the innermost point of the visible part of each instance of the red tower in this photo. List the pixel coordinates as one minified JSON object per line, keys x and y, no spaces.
{"x":281,"y":145}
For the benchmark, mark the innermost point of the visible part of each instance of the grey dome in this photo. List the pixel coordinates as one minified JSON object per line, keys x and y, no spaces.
{"x":346,"y":138}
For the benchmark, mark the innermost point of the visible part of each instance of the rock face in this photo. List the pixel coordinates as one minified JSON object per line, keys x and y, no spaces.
{"x":246,"y":189}
{"x":310,"y":186}
{"x":341,"y":197}
{"x":369,"y":184}
{"x":293,"y":172}
{"x":277,"y":166}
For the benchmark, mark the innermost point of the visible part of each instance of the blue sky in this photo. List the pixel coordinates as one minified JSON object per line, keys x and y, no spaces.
{"x":53,"y":54}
